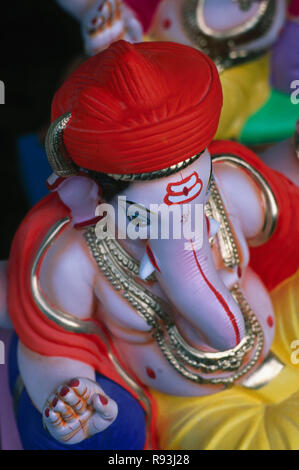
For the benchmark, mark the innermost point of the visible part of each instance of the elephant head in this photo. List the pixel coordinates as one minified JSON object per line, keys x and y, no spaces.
{"x":183,"y":263}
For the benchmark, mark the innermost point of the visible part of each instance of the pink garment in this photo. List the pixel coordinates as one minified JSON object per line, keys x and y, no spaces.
{"x":145,"y":10}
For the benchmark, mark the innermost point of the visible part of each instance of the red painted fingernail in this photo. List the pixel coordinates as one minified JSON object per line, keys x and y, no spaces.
{"x":64,"y":391}
{"x":47,"y":412}
{"x":270,"y":321}
{"x":103,"y":399}
{"x":74,"y":383}
{"x":55,"y":401}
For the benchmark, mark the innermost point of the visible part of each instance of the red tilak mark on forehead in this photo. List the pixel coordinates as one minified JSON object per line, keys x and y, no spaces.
{"x":174,"y":190}
{"x":270,"y":321}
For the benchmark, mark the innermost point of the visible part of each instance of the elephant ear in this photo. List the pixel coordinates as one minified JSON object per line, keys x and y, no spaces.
{"x":81,"y":194}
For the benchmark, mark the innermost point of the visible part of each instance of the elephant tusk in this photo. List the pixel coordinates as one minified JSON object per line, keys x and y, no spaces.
{"x":214,"y":227}
{"x":146,"y":268}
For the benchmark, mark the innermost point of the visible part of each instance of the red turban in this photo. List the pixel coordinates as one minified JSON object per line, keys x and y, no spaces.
{"x":140,"y":108}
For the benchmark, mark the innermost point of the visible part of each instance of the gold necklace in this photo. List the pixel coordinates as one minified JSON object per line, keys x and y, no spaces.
{"x":121,"y":270}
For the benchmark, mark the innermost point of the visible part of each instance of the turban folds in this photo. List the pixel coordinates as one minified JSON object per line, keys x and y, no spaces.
{"x":139,"y":108}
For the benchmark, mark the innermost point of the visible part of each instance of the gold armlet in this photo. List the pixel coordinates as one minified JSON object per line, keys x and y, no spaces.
{"x":227,"y":245}
{"x":228,"y":48}
{"x":72,"y":324}
{"x":270,"y":203}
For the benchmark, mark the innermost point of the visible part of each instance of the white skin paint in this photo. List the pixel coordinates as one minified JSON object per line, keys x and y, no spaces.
{"x":220,"y":15}
{"x":72,"y":282}
{"x":167,"y":24}
{"x":282,"y":157}
{"x":104,"y":22}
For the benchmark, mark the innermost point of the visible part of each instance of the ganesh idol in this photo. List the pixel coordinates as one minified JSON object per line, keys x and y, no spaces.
{"x":142,"y":343}
{"x":252,"y":42}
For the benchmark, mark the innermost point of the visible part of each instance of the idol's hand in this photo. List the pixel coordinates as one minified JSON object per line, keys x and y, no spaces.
{"x":78,"y":410}
{"x":107,"y":22}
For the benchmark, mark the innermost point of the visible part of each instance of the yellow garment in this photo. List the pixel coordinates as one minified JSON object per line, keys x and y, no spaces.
{"x":241,"y":418}
{"x":245,"y":90}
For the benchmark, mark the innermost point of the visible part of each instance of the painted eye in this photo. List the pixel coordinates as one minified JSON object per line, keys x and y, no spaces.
{"x":139,"y":219}
{"x":132,"y":217}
